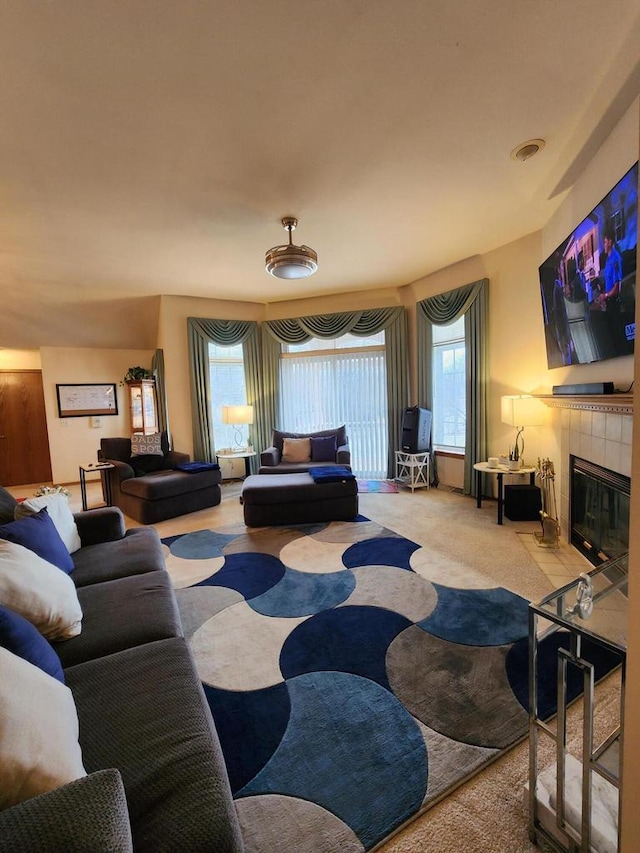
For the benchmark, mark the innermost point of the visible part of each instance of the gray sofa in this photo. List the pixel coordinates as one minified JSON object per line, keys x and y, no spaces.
{"x":150,"y":488}
{"x":271,"y":461}
{"x":156,"y":776}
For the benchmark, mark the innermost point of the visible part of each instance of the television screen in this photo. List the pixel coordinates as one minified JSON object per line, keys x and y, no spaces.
{"x":588,"y":285}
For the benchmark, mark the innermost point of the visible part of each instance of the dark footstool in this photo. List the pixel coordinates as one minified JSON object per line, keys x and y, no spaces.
{"x":296,"y":499}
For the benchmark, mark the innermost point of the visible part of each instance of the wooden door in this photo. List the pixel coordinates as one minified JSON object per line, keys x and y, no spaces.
{"x":24,"y":442}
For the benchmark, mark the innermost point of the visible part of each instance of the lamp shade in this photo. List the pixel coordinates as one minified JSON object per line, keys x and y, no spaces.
{"x":237,"y":414}
{"x":522,"y":410}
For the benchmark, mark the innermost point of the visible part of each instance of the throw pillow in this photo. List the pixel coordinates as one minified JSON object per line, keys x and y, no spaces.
{"x":39,"y":591}
{"x":59,"y":512}
{"x":146,"y":445}
{"x":38,"y":533}
{"x":39,"y":748}
{"x":21,"y":638}
{"x":296,"y":450}
{"x":146,"y":464}
{"x":324,"y":448}
{"x":7,"y":505}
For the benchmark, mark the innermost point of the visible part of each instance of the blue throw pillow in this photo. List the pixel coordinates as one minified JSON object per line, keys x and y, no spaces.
{"x":38,"y":533}
{"x":324,"y":448}
{"x":21,"y":638}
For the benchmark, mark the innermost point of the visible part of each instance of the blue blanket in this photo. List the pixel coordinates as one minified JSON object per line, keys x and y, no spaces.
{"x":331,"y":474}
{"x":195,"y":467}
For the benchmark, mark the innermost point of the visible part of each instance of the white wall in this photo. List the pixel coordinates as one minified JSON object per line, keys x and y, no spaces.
{"x":73,"y":441}
{"x":20,"y":359}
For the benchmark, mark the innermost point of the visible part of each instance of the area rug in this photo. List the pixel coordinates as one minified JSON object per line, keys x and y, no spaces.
{"x":352,"y":684}
{"x":379,"y":486}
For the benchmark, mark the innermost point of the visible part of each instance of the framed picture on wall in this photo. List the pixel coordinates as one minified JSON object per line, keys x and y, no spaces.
{"x":80,"y":400}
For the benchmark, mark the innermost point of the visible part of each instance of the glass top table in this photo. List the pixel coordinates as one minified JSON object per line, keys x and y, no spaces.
{"x":607,"y":620}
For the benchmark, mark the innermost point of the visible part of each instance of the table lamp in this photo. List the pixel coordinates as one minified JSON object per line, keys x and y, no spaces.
{"x":520,"y":411}
{"x":237,"y":415}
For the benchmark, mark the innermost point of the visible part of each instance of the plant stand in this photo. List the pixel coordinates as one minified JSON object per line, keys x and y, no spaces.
{"x":412,"y":469}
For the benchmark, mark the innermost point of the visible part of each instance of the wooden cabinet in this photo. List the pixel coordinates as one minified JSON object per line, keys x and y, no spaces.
{"x":143,"y":407}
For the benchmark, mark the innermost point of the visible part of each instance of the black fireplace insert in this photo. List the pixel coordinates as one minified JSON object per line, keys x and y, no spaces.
{"x":599,"y":501}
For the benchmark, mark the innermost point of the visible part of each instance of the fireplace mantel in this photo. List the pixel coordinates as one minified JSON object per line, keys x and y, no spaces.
{"x":620,"y":403}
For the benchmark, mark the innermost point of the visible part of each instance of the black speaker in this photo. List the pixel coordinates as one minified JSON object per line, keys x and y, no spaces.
{"x":416,"y":430}
{"x":522,"y":503}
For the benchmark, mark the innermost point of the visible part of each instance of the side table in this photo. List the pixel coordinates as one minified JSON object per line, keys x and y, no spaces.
{"x":90,"y":468}
{"x":499,"y":472}
{"x":412,"y":469}
{"x":247,"y":455}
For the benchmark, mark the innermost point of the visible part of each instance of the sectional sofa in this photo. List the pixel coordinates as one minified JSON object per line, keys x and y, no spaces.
{"x":155,"y":776}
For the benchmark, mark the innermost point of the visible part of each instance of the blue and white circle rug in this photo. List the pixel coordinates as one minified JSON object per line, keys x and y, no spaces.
{"x":350,"y":685}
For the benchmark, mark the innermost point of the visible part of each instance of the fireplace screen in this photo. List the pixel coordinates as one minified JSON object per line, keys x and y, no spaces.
{"x":599,"y":511}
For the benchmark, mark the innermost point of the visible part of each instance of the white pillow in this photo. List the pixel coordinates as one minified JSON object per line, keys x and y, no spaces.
{"x":39,"y":748}
{"x":39,"y":591}
{"x":59,"y":512}
{"x":296,"y":450}
{"x":146,"y":445}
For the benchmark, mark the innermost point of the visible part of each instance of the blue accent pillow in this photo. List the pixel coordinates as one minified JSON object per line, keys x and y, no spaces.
{"x":21,"y":638}
{"x":38,"y":533}
{"x":324,"y":448}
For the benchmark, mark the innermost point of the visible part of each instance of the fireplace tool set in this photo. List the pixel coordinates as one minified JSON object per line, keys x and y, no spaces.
{"x":550,"y":535}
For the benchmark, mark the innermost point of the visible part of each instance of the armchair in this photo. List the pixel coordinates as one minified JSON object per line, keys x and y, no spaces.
{"x":326,"y":447}
{"x":149,"y":488}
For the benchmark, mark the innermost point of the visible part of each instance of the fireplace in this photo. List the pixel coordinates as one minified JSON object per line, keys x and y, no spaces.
{"x":599,"y":510}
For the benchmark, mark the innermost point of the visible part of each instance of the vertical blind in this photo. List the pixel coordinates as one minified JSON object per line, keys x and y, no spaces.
{"x":325,"y":390}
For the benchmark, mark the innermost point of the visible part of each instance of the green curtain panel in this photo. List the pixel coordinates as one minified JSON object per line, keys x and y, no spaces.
{"x":472,"y":300}
{"x":157,"y":368}
{"x":361,"y":323}
{"x":201,"y":332}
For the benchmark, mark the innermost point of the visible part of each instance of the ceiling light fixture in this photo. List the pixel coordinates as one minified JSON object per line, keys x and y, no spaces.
{"x":291,"y":261}
{"x":527,"y":149}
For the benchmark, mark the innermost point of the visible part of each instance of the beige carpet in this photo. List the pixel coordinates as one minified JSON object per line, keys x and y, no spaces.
{"x":487,"y":813}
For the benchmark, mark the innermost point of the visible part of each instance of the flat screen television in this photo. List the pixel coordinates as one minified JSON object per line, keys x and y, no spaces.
{"x":588,"y":285}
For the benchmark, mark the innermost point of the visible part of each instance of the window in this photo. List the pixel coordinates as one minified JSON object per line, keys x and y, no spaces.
{"x":226,"y":376}
{"x":327,"y":383}
{"x":449,"y":394}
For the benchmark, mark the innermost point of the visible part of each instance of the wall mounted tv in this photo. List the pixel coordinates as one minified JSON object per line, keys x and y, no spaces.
{"x":588,"y":285}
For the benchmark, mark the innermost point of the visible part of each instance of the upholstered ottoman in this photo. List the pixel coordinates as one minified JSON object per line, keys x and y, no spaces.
{"x":296,"y":499}
{"x":167,"y":494}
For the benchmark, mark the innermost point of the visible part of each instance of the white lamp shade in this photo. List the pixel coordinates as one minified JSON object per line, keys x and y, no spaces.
{"x":237,"y":414}
{"x":522,"y":410}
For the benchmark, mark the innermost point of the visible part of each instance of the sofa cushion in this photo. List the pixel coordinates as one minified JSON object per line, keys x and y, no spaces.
{"x":21,"y":638}
{"x":121,"y":614}
{"x":7,"y":506}
{"x":147,"y":464}
{"x":278,"y":436}
{"x":139,"y":551}
{"x":166,"y":747}
{"x":38,"y":533}
{"x":296,"y":450}
{"x":57,"y":506}
{"x":168,"y":484}
{"x":39,"y":748}
{"x":88,"y":814}
{"x":146,"y":445}
{"x":324,"y":448}
{"x":39,"y":591}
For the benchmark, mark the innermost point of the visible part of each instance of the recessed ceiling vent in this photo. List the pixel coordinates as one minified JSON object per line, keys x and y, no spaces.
{"x":527,"y":149}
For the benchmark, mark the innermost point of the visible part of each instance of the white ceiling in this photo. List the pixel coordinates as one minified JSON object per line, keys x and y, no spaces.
{"x":152,"y":147}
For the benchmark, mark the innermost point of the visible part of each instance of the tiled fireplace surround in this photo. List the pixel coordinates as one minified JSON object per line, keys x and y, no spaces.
{"x":598,"y":429}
